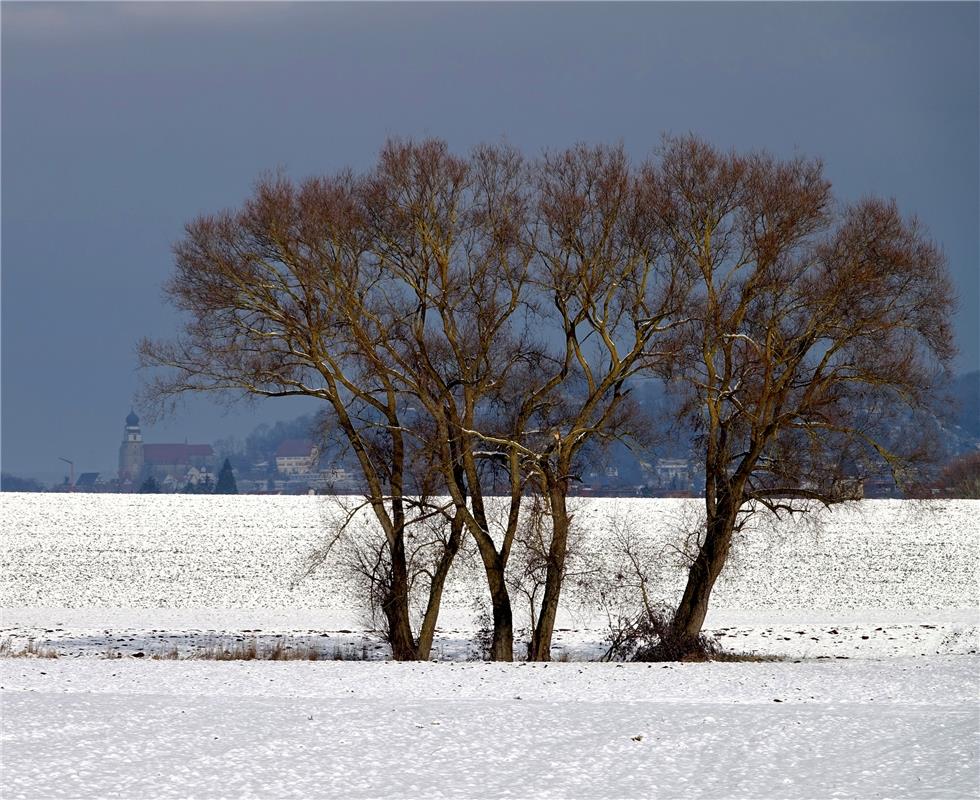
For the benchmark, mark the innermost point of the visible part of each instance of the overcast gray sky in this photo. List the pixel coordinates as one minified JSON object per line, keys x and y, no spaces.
{"x":120,"y":122}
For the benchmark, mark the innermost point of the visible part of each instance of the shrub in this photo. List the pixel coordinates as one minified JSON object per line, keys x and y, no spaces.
{"x":647,"y":637}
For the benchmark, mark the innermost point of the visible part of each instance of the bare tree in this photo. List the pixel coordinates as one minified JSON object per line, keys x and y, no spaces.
{"x":812,"y":325}
{"x":614,"y":294}
{"x":353,"y":546}
{"x":281,"y":299}
{"x":474,"y":322}
{"x":959,"y":478}
{"x":449,"y":233}
{"x":394,"y":297}
{"x":419,"y":286}
{"x":528,"y":572}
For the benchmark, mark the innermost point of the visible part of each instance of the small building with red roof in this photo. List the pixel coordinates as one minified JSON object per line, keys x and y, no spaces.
{"x":297,"y":457}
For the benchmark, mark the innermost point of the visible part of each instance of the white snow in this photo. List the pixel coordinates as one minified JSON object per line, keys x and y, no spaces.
{"x":87,"y":728}
{"x":188,"y":551}
{"x":877,"y":605}
{"x":129,"y":573}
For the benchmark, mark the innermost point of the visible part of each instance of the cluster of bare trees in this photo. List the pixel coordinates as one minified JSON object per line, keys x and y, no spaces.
{"x":471,"y":324}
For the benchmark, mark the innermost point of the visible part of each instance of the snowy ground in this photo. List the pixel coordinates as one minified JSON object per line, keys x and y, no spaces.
{"x":875,"y":608}
{"x":96,"y":574}
{"x":871,"y":633}
{"x":96,"y":728}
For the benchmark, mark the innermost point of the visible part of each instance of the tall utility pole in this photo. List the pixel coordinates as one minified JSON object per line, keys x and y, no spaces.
{"x":71,"y":465}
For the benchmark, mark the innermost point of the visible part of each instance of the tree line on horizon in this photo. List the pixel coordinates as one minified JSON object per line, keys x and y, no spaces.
{"x":478,"y":320}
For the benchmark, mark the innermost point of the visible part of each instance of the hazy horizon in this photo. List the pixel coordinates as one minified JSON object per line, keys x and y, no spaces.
{"x":121,"y":122}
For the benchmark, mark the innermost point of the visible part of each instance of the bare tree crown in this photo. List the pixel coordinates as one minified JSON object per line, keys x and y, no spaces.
{"x":464,"y":316}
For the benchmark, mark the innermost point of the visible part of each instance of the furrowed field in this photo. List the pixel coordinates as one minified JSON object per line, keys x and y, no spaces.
{"x":120,"y":563}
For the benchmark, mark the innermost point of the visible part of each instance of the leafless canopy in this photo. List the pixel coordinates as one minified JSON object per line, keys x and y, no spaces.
{"x":813,"y":325}
{"x":469,"y":319}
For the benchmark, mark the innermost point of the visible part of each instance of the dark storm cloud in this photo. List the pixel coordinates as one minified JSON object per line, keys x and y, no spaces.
{"x":123,"y":121}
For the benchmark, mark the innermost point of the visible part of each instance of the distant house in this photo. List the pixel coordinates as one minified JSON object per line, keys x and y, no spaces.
{"x":296,"y":457}
{"x":87,"y":482}
{"x":337,"y":475}
{"x":338,"y":479}
{"x":669,"y":477}
{"x":176,"y":460}
{"x":673,"y":472}
{"x":197,"y":477}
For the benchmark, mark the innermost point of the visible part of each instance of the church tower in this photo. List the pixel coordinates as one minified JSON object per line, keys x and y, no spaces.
{"x":131,"y":450}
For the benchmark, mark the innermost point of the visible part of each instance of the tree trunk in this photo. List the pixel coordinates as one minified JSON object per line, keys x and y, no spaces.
{"x":502,"y":644}
{"x":427,"y":631}
{"x":395,"y":608}
{"x":693,"y":608}
{"x":495,"y":565}
{"x":557,"y":552}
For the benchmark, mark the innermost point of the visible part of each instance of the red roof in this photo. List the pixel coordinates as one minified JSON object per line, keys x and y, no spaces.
{"x":292,"y":448}
{"x":175,"y":453}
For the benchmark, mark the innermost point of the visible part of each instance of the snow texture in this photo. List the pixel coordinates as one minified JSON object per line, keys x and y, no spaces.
{"x":91,"y":574}
{"x":87,"y":728}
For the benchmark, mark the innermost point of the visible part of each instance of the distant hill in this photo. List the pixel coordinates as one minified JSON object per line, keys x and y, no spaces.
{"x":965,"y":390}
{"x":15,"y":483}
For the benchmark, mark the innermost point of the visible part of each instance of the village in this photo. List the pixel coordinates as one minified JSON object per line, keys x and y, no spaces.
{"x":298,"y":465}
{"x":290,"y":461}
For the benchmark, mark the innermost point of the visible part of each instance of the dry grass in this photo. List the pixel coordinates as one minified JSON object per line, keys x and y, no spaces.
{"x":249,"y":650}
{"x":733,"y":656}
{"x":252,"y":650}
{"x":284,"y":650}
{"x":30,"y":650}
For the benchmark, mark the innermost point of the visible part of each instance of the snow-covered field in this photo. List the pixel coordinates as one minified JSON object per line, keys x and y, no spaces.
{"x":134,"y":729}
{"x":875,"y":606}
{"x":89,"y":574}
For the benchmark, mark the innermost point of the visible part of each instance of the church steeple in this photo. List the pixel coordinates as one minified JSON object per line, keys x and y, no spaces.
{"x":131,"y":450}
{"x":132,"y":432}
